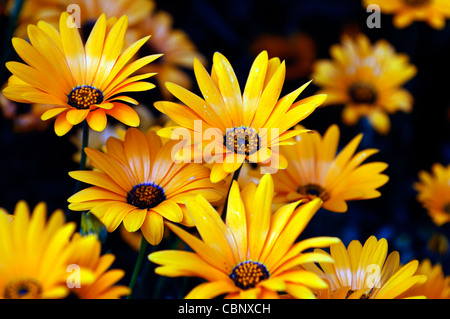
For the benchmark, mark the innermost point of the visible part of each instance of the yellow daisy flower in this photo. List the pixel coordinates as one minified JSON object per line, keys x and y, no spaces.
{"x":437,"y":285}
{"x":237,"y":126}
{"x":315,"y":170}
{"x":35,"y":253}
{"x":177,"y":48}
{"x":80,"y":81}
{"x":364,"y":272}
{"x":433,"y":12}
{"x":250,"y":255}
{"x":87,"y":255}
{"x":137,"y":182}
{"x":434,"y":192}
{"x":367,"y":79}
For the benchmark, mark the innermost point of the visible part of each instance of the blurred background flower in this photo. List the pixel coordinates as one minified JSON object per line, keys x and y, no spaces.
{"x":315,"y":169}
{"x":367,"y":79}
{"x":406,"y":12}
{"x":434,"y":192}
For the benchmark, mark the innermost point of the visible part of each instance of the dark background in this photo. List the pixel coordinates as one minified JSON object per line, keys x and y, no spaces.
{"x":34,"y":166}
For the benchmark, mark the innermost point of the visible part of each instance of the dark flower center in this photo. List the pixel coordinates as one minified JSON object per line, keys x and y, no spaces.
{"x":362,"y":93}
{"x":23,"y":289}
{"x":249,"y":273}
{"x":146,"y":196}
{"x":416,"y":3}
{"x":313,"y":190}
{"x":242,"y":140}
{"x":82,"y":97}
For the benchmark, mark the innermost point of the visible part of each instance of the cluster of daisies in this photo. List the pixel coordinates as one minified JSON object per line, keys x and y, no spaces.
{"x":242,"y":222}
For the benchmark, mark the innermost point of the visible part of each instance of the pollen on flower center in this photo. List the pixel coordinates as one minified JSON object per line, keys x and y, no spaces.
{"x":416,"y":3}
{"x":313,"y":190}
{"x":23,"y":289}
{"x":249,"y":273}
{"x":146,"y":195}
{"x":242,"y":140}
{"x":362,"y":93}
{"x":82,"y":97}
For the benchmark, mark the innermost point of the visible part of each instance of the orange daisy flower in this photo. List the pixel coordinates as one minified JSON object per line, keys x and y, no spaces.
{"x":137,"y":182}
{"x":248,"y":126}
{"x":82,"y":82}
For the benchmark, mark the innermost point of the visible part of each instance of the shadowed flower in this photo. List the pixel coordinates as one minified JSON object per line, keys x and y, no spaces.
{"x":438,"y":243}
{"x":80,"y":81}
{"x":434,"y":193}
{"x":437,"y":285}
{"x":177,"y":48}
{"x":87,"y":255}
{"x":137,"y":182}
{"x":298,"y":49}
{"x":24,"y":118}
{"x":315,"y":170}
{"x":86,"y":12}
{"x":253,"y":254}
{"x":248,"y":126}
{"x":433,"y":12}
{"x":367,"y":80}
{"x":364,"y":272}
{"x":35,"y":254}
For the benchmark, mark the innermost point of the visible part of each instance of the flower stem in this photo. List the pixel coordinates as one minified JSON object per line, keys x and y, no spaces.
{"x":84,"y":144}
{"x":137,"y":266}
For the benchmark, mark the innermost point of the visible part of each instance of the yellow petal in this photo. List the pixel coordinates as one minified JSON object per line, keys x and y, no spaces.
{"x":254,"y":87}
{"x":134,"y":220}
{"x":73,"y":48}
{"x":211,"y":290}
{"x":270,"y":96}
{"x":97,"y":120}
{"x":170,"y":210}
{"x":52,"y":113}
{"x":62,"y":126}
{"x":111,"y":50}
{"x":94,"y":48}
{"x":124,"y":114}
{"x":75,"y":116}
{"x":229,"y":88}
{"x":211,"y":94}
{"x":236,"y":219}
{"x":153,"y":228}
{"x":259,"y":216}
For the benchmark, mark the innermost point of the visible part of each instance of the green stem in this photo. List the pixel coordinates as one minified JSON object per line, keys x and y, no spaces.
{"x":235,"y":178}
{"x":137,"y":266}
{"x":84,"y":144}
